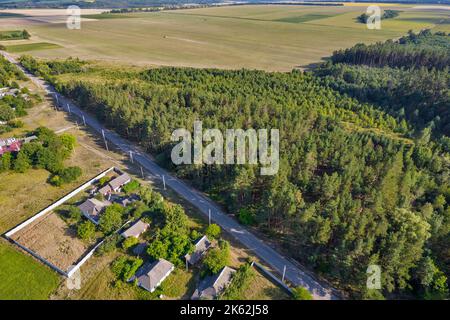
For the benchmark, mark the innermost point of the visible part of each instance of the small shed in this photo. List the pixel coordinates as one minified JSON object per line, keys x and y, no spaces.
{"x":138,"y":228}
{"x":201,"y":246}
{"x":92,"y":208}
{"x":151,"y":275}
{"x":212,"y":286}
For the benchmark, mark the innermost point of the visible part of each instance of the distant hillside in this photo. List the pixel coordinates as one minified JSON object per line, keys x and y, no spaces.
{"x":149,"y":3}
{"x":94,"y":3}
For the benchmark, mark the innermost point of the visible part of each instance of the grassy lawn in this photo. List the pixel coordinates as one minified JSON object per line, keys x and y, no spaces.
{"x":22,"y":277}
{"x":270,"y":37}
{"x":262,"y":288}
{"x":179,"y":284}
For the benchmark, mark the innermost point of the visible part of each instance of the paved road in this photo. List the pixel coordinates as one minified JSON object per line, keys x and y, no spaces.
{"x":271,"y":257}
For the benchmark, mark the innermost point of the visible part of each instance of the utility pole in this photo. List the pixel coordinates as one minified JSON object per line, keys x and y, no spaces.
{"x":209,"y":216}
{"x":68,"y":108}
{"x":284,"y":273}
{"x":84,"y":120}
{"x":104,"y":140}
{"x":131,"y":156}
{"x":142,"y":173}
{"x":164,"y":182}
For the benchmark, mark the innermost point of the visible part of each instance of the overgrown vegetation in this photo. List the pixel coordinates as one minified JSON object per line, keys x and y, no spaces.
{"x":217,"y":258}
{"x":301,"y":293}
{"x":241,"y":280}
{"x":48,"y":151}
{"x":14,"y":100}
{"x":14,"y":35}
{"x":387,"y":14}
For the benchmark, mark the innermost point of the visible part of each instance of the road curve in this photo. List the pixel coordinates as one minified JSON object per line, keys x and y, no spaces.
{"x":294,"y":274}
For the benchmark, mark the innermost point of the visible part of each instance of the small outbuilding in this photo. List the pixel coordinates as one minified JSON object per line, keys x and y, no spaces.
{"x":151,"y":275}
{"x":201,"y":246}
{"x":138,"y":228}
{"x":210,"y":287}
{"x":92,"y":208}
{"x":116,"y":184}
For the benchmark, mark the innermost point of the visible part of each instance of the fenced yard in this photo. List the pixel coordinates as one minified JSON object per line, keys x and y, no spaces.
{"x":52,"y":239}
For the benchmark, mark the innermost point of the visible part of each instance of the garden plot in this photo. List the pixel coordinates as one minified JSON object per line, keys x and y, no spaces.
{"x":51,"y":238}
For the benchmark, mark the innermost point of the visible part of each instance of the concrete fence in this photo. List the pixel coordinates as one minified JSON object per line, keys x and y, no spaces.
{"x":90,"y":253}
{"x":272,"y":276}
{"x":48,"y":209}
{"x":57,"y":203}
{"x":83,"y":260}
{"x":34,"y":254}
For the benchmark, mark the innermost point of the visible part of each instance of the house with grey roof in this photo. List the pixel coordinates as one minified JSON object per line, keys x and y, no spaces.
{"x":116,"y":184}
{"x":138,"y":228}
{"x":151,"y":275}
{"x":212,"y":286}
{"x":92,"y":208}
{"x":201,"y":246}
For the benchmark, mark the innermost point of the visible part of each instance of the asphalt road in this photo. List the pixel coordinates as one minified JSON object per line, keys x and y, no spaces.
{"x":278,"y":262}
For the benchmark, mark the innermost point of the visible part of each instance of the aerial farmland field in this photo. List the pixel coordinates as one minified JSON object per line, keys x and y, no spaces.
{"x":269,"y":37}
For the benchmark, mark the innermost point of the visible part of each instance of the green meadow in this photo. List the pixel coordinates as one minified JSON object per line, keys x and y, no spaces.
{"x":22,"y":277}
{"x":19,"y":48}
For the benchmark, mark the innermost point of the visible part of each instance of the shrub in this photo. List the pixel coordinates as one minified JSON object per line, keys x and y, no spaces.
{"x":5,"y":163}
{"x":109,"y":245}
{"x":70,"y":174}
{"x":103,"y":181}
{"x":170,"y":246}
{"x":55,"y":180}
{"x":111,"y":219}
{"x":301,"y":293}
{"x":240,"y":282}
{"x":22,"y":163}
{"x":74,"y":213}
{"x":217,"y":258}
{"x":373,"y":294}
{"x":246,"y":217}
{"x":129,"y":242}
{"x":213,"y":231}
{"x":131,"y":187}
{"x":124,"y":268}
{"x":86,"y":230}
{"x":194,"y":235}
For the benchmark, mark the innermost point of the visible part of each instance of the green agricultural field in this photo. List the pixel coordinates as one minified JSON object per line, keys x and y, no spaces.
{"x":22,"y":277}
{"x":270,"y":37}
{"x":19,"y":48}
